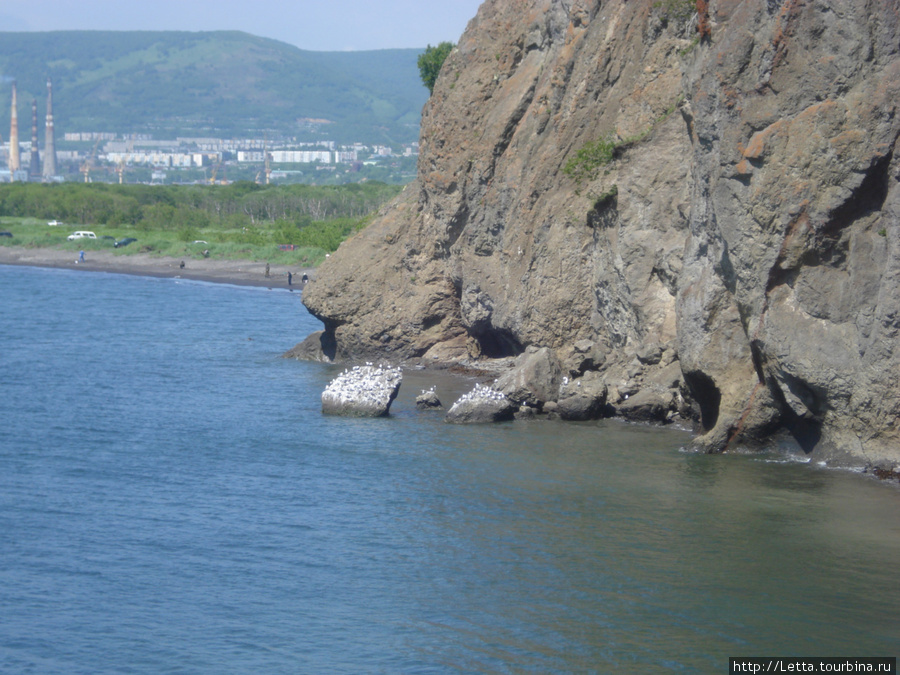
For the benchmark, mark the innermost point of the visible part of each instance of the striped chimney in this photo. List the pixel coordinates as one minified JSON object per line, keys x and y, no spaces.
{"x":14,"y":161}
{"x":49,"y":144}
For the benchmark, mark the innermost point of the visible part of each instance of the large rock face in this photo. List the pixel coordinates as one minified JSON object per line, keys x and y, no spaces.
{"x":747,"y":220}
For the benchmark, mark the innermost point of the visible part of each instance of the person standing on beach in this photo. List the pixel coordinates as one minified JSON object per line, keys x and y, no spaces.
{"x":267,"y":270}
{"x":81,"y":256}
{"x":290,"y":277}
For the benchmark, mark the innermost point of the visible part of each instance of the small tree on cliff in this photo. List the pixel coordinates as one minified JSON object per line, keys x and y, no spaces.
{"x":430,"y":63}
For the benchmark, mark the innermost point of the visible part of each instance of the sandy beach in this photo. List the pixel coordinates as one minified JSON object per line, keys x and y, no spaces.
{"x":241,"y":272}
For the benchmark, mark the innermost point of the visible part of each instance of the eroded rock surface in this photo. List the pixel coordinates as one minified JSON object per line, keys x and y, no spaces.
{"x":745,"y":230}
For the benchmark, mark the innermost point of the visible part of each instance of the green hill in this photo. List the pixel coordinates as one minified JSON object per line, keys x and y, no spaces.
{"x":223,"y":84}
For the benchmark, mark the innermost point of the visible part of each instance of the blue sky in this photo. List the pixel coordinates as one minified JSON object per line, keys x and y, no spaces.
{"x":322,"y":25}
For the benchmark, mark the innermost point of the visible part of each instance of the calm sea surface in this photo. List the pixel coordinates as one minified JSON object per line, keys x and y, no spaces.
{"x":173,"y":501}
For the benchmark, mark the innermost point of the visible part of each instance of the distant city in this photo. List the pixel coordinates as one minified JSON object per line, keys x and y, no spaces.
{"x":111,"y":157}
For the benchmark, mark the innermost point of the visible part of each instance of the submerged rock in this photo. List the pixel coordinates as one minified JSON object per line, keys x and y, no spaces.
{"x":482,"y":404}
{"x":362,"y":391}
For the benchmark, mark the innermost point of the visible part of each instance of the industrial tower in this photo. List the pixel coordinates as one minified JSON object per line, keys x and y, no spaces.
{"x":49,"y":145}
{"x":14,"y":161}
{"x":34,"y":169}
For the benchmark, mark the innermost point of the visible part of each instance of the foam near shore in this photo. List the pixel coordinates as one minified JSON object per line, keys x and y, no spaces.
{"x":241,"y":272}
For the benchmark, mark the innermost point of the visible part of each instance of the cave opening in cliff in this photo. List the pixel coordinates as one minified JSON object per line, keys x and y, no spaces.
{"x":707,"y":396}
{"x":806,"y":431}
{"x":497,"y":344}
{"x":804,"y":426}
{"x":328,"y":341}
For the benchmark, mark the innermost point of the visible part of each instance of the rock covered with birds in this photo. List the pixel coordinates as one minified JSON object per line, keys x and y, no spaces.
{"x":362,"y":391}
{"x":482,"y":404}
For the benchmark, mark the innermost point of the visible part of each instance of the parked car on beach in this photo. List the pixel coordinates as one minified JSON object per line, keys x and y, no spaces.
{"x":54,"y":223}
{"x":124,"y":242}
{"x":6,"y":234}
{"x":81,"y":234}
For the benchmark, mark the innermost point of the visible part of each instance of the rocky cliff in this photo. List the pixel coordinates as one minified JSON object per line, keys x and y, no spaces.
{"x":694,"y":203}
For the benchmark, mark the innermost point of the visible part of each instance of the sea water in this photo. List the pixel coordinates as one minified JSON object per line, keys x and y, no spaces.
{"x":173,"y":501}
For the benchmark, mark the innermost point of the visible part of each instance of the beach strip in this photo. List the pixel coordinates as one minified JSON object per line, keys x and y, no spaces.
{"x":240,"y":272}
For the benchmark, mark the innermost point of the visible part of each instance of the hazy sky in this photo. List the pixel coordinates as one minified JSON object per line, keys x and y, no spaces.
{"x":322,"y":25}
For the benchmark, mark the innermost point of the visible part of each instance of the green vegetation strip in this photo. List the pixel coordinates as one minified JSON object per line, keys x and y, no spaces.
{"x":593,"y":155}
{"x":283,"y":224}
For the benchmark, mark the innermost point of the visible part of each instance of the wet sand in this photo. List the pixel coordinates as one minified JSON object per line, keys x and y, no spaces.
{"x":241,"y":272}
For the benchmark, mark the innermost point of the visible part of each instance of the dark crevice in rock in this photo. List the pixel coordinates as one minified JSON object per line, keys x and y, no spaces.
{"x":780,"y":277}
{"x":667,"y":278}
{"x":431,"y":321}
{"x":455,"y":228}
{"x":605,"y":211}
{"x":510,"y":129}
{"x":707,"y":395}
{"x":758,"y":360}
{"x":867,"y":199}
{"x":726,"y":269}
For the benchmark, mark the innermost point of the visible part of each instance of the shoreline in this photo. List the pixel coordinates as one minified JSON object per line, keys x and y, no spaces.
{"x":237,"y":272}
{"x":252,"y":273}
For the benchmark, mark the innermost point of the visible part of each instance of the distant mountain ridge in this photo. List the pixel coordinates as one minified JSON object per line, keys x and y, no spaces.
{"x":222,"y":83}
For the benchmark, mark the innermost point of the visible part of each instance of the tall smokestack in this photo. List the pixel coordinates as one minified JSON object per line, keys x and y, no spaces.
{"x":14,"y":163}
{"x":34,"y":169}
{"x":49,"y":145}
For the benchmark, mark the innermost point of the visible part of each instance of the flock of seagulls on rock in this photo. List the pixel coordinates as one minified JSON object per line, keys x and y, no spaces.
{"x":481,"y":394}
{"x":371,"y":385}
{"x":368,"y":385}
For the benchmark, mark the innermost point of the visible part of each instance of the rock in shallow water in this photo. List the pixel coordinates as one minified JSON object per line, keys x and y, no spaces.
{"x":428,"y":400}
{"x":481,"y":405}
{"x":362,"y":391}
{"x":534,"y":380}
{"x":583,"y":398}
